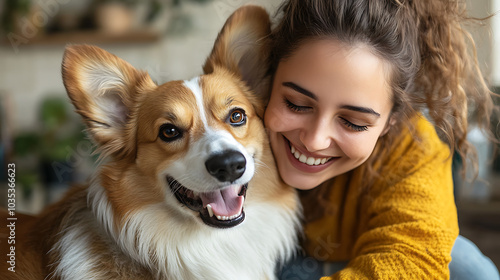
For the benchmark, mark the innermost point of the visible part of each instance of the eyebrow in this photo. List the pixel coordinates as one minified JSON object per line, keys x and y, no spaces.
{"x":300,"y":89}
{"x":360,"y":109}
{"x":307,"y":93}
{"x":171,"y":116}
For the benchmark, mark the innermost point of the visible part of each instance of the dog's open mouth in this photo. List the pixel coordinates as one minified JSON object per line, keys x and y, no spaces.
{"x":221,"y":208}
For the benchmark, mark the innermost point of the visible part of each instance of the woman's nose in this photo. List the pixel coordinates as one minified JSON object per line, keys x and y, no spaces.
{"x":317,"y":136}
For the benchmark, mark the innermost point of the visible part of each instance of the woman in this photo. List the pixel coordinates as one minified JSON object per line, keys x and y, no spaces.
{"x":356,"y":85}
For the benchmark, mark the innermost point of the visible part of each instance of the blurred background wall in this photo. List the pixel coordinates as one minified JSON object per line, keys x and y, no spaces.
{"x":170,"y":39}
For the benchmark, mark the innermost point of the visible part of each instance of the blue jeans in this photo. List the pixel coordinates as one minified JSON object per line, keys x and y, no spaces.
{"x":467,"y":263}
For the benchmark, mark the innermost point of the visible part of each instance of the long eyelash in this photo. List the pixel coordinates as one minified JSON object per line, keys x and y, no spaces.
{"x":294,"y":107}
{"x":354,"y":127}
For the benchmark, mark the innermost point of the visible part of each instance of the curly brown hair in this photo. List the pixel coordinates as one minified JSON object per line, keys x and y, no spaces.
{"x":434,"y":64}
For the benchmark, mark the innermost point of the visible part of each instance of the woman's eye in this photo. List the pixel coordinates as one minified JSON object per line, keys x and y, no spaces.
{"x":169,"y":133}
{"x":295,"y":108}
{"x":237,"y":117}
{"x":354,"y":127}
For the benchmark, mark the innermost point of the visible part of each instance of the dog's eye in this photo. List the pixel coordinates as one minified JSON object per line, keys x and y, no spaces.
{"x":169,"y":132}
{"x":237,"y":117}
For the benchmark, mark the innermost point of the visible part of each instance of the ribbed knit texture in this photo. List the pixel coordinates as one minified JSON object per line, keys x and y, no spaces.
{"x":403,"y":227}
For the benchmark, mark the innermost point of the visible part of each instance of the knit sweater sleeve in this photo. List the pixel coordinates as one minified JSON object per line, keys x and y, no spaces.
{"x":408,"y":219}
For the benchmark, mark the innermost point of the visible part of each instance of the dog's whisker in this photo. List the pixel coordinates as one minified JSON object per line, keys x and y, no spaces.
{"x":176,"y":185}
{"x":261,"y":163}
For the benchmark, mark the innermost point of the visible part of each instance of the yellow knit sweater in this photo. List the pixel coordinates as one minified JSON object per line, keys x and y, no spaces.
{"x":402,"y":227}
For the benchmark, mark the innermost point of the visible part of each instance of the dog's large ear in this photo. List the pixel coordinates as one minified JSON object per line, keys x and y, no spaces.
{"x":243,"y":47}
{"x":103,"y":89}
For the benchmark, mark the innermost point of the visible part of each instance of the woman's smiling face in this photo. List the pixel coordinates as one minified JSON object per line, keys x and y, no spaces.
{"x":329,"y":105}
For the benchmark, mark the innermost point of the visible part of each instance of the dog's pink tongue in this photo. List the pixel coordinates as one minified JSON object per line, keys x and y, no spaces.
{"x":224,"y":202}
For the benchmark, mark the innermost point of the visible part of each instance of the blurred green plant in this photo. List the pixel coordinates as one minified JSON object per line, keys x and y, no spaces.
{"x":56,"y":135}
{"x":58,"y":130}
{"x":13,"y":9}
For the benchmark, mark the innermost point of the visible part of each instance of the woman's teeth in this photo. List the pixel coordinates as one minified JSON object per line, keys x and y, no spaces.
{"x":307,"y":160}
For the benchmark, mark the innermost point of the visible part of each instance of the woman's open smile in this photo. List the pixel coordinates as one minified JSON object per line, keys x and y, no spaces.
{"x":307,"y":162}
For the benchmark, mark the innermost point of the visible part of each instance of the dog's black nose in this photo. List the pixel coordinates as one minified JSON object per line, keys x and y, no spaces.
{"x":227,"y":166}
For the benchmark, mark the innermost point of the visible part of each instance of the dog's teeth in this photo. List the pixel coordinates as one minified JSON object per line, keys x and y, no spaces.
{"x":225,"y":218}
{"x":210,"y":211}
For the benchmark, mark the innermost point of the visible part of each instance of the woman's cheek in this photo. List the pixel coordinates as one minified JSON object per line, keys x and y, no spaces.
{"x":278,"y":120}
{"x":357,"y":146}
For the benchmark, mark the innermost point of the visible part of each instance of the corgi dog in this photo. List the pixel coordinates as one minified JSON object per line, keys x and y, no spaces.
{"x":187,"y":187}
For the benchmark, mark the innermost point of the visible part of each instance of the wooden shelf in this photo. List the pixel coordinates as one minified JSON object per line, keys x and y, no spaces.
{"x":92,"y":37}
